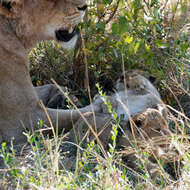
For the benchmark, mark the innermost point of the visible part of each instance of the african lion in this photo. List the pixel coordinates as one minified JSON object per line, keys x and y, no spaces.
{"x":143,"y":122}
{"x":52,"y":97}
{"x":135,"y":99}
{"x":24,"y":23}
{"x":134,"y":93}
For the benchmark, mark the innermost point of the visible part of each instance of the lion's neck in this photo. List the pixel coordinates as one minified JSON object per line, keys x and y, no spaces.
{"x":15,"y":84}
{"x":14,"y":59}
{"x":9,"y":40}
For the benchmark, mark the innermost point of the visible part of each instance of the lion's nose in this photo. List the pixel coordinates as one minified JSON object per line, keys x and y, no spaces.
{"x":83,"y":8}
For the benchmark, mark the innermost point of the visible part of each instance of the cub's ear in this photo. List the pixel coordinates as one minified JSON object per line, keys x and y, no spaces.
{"x":11,"y":8}
{"x":152,"y":79}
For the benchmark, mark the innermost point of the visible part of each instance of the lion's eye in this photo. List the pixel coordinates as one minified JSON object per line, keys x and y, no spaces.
{"x":83,"y":8}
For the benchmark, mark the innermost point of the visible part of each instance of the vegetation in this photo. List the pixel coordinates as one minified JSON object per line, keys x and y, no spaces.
{"x":116,"y":35}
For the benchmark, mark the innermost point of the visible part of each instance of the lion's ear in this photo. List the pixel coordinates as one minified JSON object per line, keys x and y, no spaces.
{"x":11,"y":8}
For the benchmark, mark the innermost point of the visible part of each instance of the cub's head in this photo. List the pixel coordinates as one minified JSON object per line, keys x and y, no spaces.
{"x":36,"y":20}
{"x":135,"y":81}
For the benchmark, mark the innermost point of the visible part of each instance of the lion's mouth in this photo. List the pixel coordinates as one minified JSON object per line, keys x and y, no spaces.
{"x":64,"y":35}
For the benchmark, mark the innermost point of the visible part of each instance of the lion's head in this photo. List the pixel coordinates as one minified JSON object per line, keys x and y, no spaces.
{"x":36,"y":20}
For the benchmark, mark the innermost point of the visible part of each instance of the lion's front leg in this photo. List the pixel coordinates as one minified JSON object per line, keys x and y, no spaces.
{"x":65,"y":119}
{"x":27,"y":114}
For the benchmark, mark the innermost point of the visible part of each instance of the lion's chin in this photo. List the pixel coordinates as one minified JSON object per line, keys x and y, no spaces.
{"x":67,"y":40}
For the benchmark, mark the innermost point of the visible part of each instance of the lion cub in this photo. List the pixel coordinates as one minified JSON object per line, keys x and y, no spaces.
{"x":142,"y":119}
{"x":137,"y":100}
{"x":134,"y":93}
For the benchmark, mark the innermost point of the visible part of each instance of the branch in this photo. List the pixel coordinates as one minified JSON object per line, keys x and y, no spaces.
{"x":113,"y":13}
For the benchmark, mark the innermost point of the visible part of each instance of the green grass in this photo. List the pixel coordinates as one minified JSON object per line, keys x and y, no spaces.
{"x":56,"y":163}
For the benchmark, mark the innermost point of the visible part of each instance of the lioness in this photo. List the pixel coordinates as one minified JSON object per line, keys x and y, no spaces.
{"x":24,"y":23}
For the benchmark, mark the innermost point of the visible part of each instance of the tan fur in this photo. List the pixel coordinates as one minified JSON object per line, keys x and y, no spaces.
{"x":146,"y":127}
{"x":52,"y":97}
{"x":137,"y":105}
{"x":141,"y":125}
{"x":134,"y":93}
{"x":23,"y":26}
{"x":81,"y":133}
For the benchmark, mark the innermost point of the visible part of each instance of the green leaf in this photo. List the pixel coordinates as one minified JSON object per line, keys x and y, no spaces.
{"x":115,"y":28}
{"x":147,"y":47}
{"x":129,"y":39}
{"x":161,"y":44}
{"x":136,"y":48}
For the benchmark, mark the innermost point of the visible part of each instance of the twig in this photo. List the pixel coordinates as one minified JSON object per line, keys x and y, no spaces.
{"x":114,"y":12}
{"x":49,"y":119}
{"x":83,"y":117}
